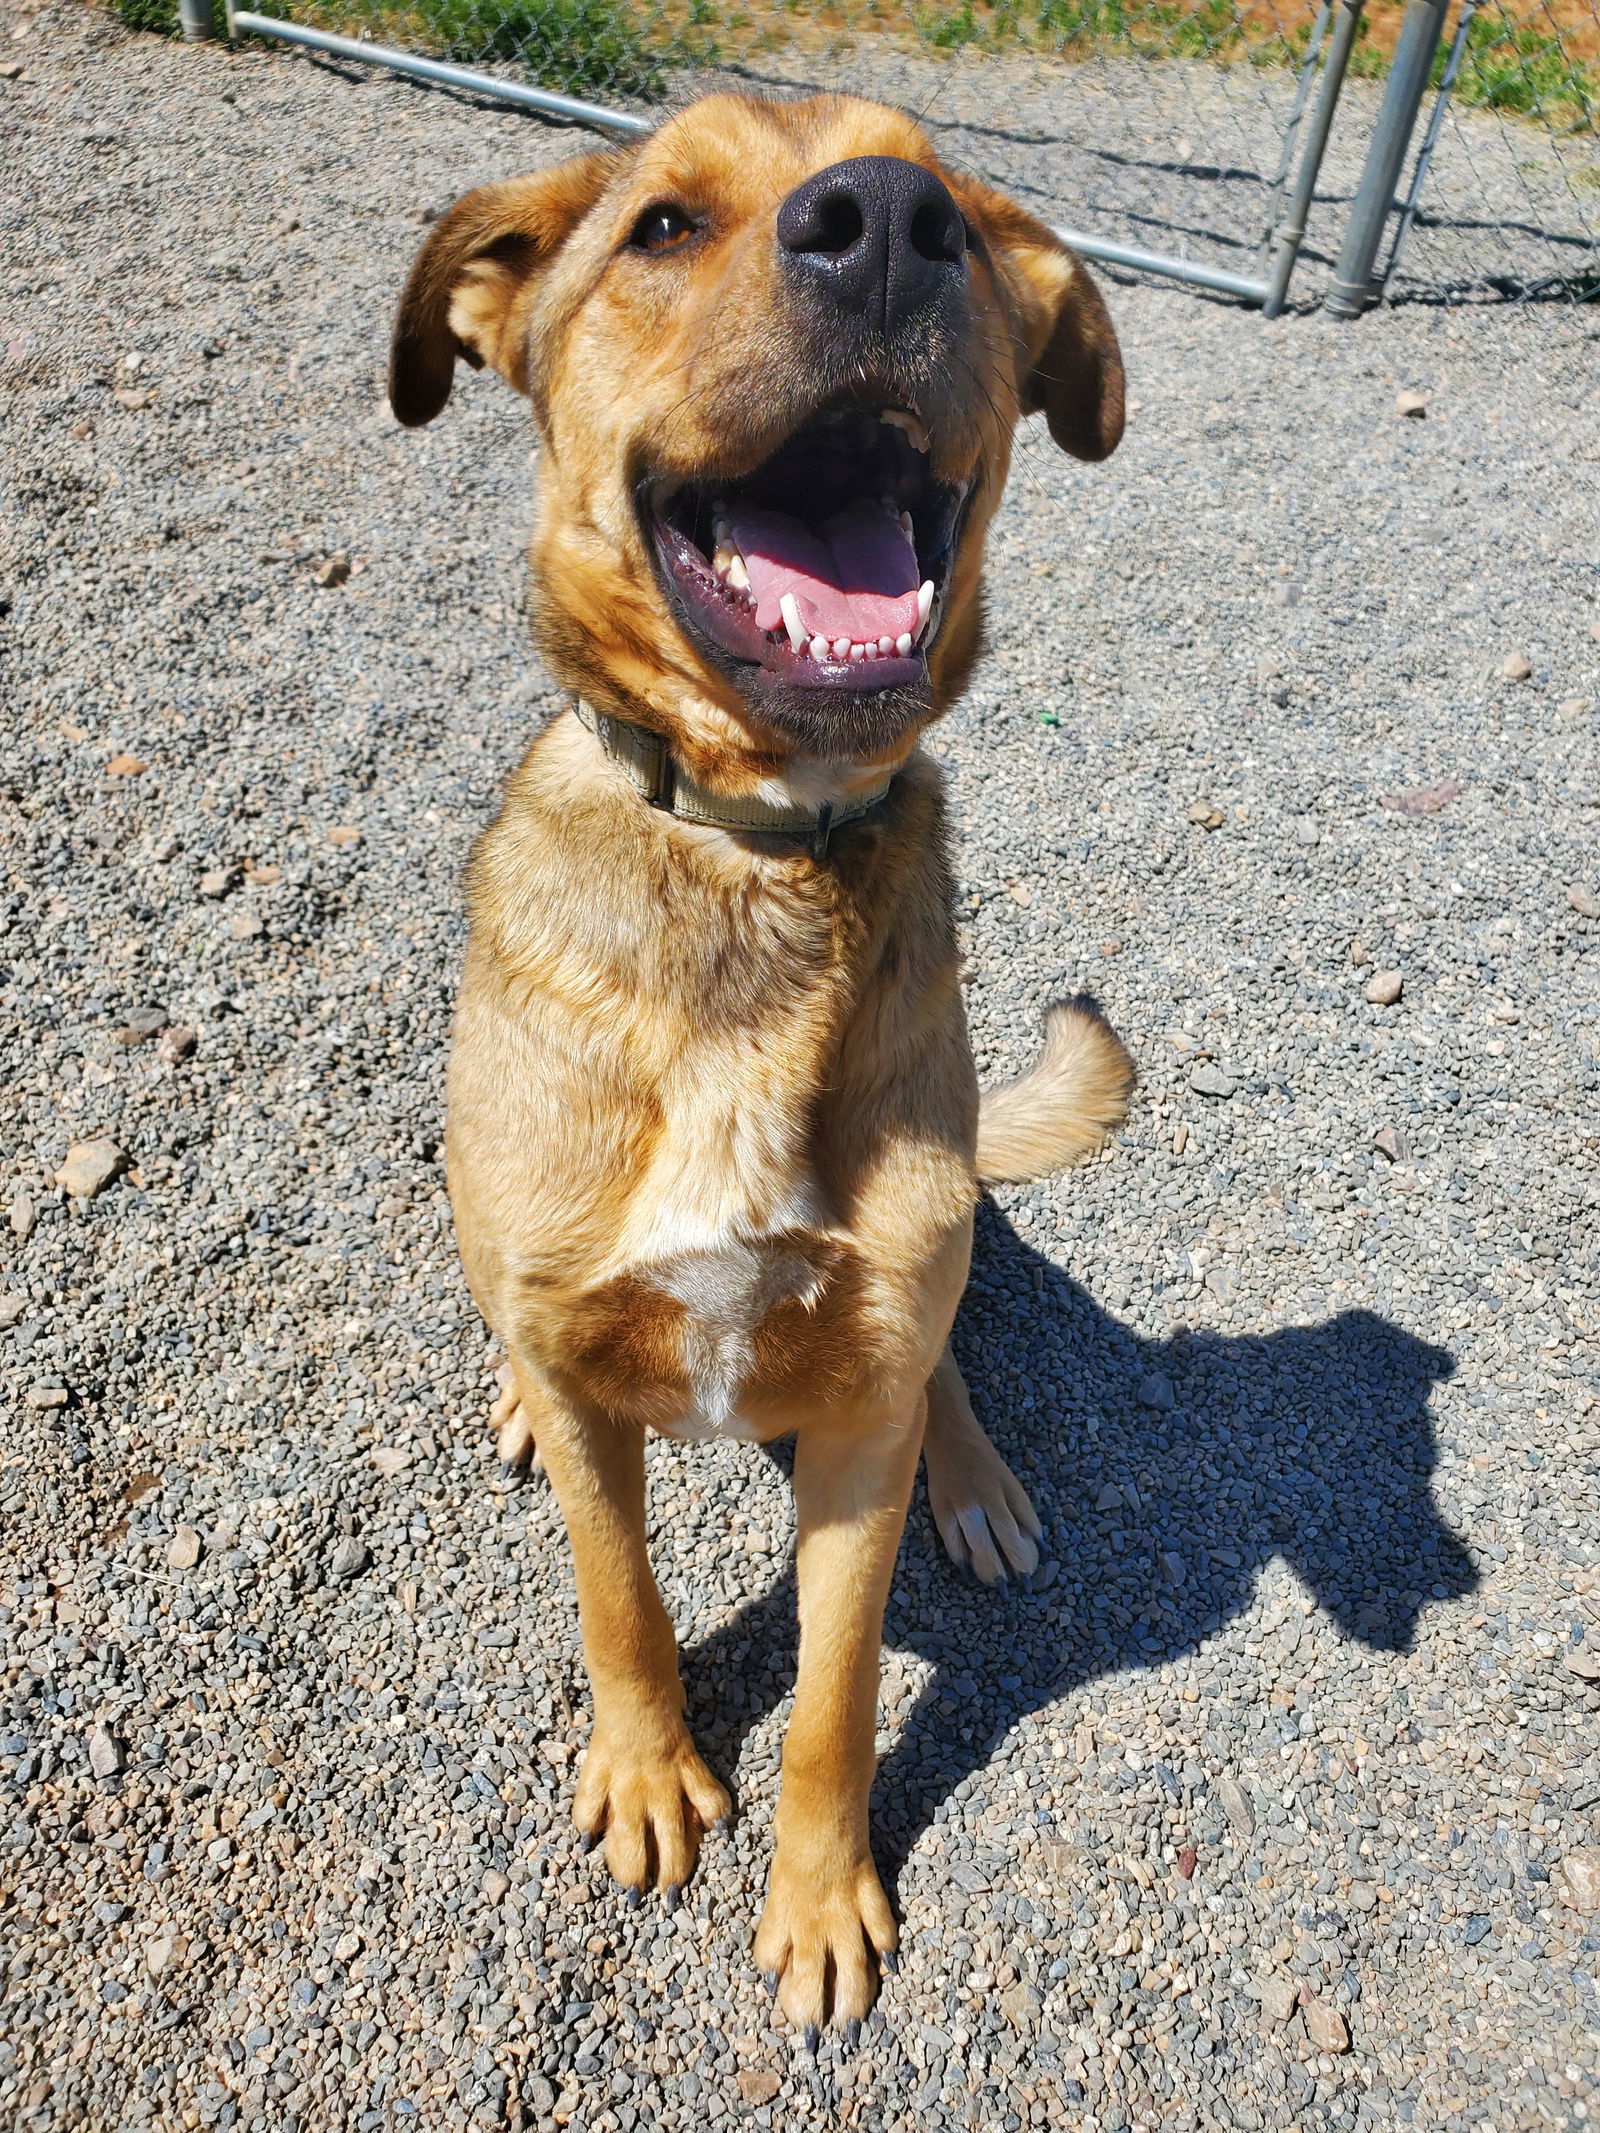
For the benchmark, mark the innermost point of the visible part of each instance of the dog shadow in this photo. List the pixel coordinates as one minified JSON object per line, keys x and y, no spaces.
{"x":1167,"y":1475}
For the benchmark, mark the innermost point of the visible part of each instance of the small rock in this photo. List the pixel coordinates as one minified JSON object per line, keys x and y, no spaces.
{"x":1423,"y":799}
{"x":1581,"y":1873}
{"x":1109,"y":1498}
{"x":185,"y":1549}
{"x":11,"y":1308}
{"x":349,"y":1559}
{"x":1360,"y":954}
{"x":1384,"y":988}
{"x":1235,"y":1804}
{"x":1571,"y":709}
{"x":161,"y":1953}
{"x":1390,"y":1141}
{"x":1186,"y":1863}
{"x":1411,"y":406}
{"x":126,"y":766}
{"x":220,"y":1849}
{"x":1157,"y":1391}
{"x":1583,"y":901}
{"x":757,"y":2085}
{"x":1021,"y":894}
{"x":1211,"y":1081}
{"x":342,"y":833}
{"x":105,"y":1752}
{"x":90,"y":1166}
{"x":1280,"y":1996}
{"x":495,"y":1884}
{"x":390,"y":1459}
{"x":1363,"y":1896}
{"x":1172,"y":1567}
{"x":1111,"y":947}
{"x":48,"y":1397}
{"x":245,"y":926}
{"x":176,"y":1044}
{"x":142,"y":1024}
{"x":11,"y":70}
{"x":1585,"y":1664}
{"x":1517,"y":666}
{"x":23,"y":1214}
{"x":1304,"y":830}
{"x":265,"y":877}
{"x":1204,"y":816}
{"x":217,"y":882}
{"x":1180,"y":1137}
{"x":1325,"y":2026}
{"x":335,"y":570}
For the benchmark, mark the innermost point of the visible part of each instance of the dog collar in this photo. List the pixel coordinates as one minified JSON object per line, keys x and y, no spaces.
{"x":656,"y":775}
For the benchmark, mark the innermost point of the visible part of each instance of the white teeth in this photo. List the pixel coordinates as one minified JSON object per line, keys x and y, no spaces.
{"x":905,"y":521}
{"x":903,"y":645}
{"x":789,"y":608}
{"x":885,"y":646}
{"x":924,"y":604}
{"x":819,"y":647}
{"x":909,"y":423}
{"x":841,"y":648}
{"x":722,"y":559}
{"x":738,"y":576}
{"x":858,"y":651}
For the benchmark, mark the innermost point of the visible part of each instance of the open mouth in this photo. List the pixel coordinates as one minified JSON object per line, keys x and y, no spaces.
{"x":826,"y":567}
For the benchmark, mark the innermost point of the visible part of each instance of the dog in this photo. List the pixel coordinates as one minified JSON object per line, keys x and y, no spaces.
{"x":714,"y":1134}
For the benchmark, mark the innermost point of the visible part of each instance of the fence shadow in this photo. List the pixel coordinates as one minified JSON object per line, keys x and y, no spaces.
{"x":1314,"y":1444}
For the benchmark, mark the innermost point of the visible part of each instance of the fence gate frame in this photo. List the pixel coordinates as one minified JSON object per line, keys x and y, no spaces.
{"x":1355,"y":286}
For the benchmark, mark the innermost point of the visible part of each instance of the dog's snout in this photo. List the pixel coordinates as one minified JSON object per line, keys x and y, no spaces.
{"x":878,"y":238}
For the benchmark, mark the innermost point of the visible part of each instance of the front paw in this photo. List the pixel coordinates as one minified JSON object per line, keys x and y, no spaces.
{"x":645,"y":1789}
{"x":981,"y":1509}
{"x":824,"y":1936}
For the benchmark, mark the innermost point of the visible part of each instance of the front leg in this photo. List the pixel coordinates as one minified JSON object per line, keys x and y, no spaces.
{"x":643,"y":1785}
{"x":827,"y":1920}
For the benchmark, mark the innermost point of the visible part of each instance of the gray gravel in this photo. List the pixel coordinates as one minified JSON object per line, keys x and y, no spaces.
{"x":1293,"y":1745}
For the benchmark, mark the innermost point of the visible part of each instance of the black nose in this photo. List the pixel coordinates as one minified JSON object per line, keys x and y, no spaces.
{"x":877,"y":238}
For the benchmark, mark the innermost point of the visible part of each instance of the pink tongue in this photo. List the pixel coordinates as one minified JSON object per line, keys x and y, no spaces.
{"x":855,"y":577}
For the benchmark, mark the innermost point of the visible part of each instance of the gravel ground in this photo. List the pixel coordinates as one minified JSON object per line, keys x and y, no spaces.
{"x":1276,"y":1803}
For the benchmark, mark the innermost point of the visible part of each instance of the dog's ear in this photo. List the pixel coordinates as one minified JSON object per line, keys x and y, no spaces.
{"x":465,"y":294}
{"x":1068,"y":361}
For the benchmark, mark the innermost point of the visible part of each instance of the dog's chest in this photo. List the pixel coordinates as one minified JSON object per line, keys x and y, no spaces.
{"x":729,"y":1293}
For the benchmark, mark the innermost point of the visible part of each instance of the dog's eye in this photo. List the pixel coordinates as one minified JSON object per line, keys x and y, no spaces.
{"x":661,"y":229}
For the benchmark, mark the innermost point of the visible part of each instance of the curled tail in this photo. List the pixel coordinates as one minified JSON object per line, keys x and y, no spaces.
{"x":1064,"y":1107}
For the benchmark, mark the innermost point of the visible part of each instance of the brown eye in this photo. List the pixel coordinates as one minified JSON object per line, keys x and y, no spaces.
{"x":661,"y":229}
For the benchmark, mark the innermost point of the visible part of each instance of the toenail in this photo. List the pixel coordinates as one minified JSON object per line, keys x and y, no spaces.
{"x":672,"y":1892}
{"x":813,"y":2038}
{"x":633,"y":1899}
{"x":591,"y":1837}
{"x":890,"y":1959}
{"x":852,"y":2032}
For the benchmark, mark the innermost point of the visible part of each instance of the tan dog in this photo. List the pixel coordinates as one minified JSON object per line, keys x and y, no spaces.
{"x":714,"y":1134}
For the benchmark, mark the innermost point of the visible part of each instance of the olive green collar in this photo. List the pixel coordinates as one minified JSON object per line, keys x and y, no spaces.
{"x":656,"y":775}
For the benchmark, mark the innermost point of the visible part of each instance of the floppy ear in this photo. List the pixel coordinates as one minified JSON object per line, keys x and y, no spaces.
{"x":468,"y":289}
{"x":1069,"y":363}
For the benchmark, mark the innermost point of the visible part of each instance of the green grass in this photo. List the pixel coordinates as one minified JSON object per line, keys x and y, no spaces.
{"x":158,"y":15}
{"x":1510,"y":66}
{"x":575,"y":45}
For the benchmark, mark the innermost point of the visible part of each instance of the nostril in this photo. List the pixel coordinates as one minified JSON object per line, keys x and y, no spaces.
{"x":936,"y":232}
{"x":829,"y":222}
{"x":839,"y":223}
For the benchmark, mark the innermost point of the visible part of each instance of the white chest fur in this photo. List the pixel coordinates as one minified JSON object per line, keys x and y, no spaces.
{"x":726,"y":1292}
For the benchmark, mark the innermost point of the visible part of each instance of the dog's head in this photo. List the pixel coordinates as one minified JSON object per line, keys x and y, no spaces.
{"x":776,"y":353}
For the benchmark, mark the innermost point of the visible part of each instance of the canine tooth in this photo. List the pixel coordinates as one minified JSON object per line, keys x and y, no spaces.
{"x":789,"y":608}
{"x":722,"y":560}
{"x":924,"y":604}
{"x":905,"y":521}
{"x":899,"y":420}
{"x":819,"y":647}
{"x":738,"y":576}
{"x":902,"y":645}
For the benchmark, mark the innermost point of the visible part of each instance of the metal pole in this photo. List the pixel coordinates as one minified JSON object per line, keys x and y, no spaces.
{"x":1302,"y":92}
{"x":1291,"y":231}
{"x":382,"y":55}
{"x":1190,"y":270}
{"x":195,"y":20}
{"x":1351,"y":289}
{"x":1430,"y":140}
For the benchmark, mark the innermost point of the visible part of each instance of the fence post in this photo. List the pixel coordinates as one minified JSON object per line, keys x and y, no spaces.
{"x":196,"y":21}
{"x":1351,"y":288}
{"x":1291,"y":231}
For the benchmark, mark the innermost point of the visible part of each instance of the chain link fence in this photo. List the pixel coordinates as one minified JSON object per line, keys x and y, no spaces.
{"x":1219,"y":140}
